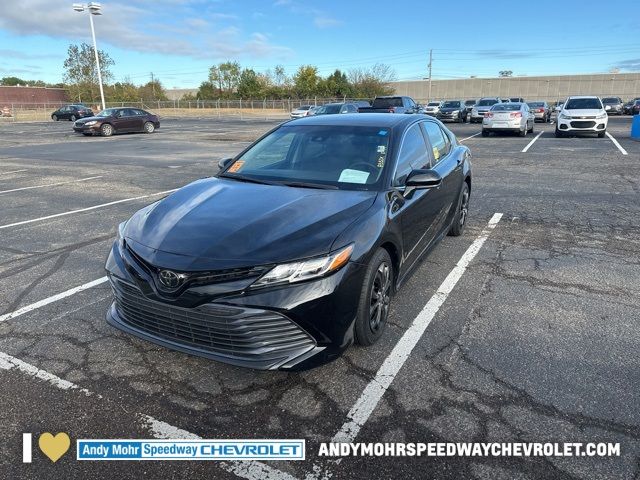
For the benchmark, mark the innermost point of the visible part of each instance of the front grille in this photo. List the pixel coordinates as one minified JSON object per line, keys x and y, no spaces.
{"x":583,"y":124}
{"x":249,"y":335}
{"x":204,"y":278}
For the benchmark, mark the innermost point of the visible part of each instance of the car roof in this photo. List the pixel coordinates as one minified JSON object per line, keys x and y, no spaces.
{"x":388,"y":120}
{"x":582,"y":96}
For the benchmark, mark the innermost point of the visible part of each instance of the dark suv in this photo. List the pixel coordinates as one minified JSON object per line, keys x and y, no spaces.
{"x":71,"y":112}
{"x":613,"y":105}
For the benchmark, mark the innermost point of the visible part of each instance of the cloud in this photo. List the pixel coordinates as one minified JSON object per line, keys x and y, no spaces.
{"x":631,"y":64}
{"x":228,"y":45}
{"x":137,"y":29}
{"x":6,"y":53}
{"x":320,"y":18}
{"x":323,"y":21}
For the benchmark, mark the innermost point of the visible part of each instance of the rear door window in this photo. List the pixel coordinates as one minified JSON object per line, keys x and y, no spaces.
{"x":440,"y":143}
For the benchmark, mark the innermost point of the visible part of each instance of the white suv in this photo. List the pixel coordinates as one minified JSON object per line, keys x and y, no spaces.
{"x":582,"y":115}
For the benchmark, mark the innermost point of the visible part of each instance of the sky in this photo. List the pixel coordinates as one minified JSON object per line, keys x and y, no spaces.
{"x":178,"y":40}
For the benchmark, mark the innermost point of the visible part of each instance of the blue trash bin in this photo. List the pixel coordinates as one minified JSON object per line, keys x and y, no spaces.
{"x":635,"y":128}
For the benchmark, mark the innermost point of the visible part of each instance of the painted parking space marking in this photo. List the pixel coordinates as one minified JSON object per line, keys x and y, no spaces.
{"x":467,"y":138}
{"x":50,"y":184}
{"x":524,"y":150}
{"x":80,"y":210}
{"x":615,"y":142}
{"x":52,"y":299}
{"x":14,"y":171}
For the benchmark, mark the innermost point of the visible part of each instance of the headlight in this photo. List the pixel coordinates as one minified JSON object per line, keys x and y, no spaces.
{"x":120,"y":234}
{"x":565,"y":116}
{"x":92,"y":122}
{"x":601,"y":116}
{"x":455,"y":112}
{"x":474,"y":112}
{"x":306,"y":269}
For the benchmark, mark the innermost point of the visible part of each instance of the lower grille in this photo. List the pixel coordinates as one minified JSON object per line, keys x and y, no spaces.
{"x":583,"y":124}
{"x":246,"y":335}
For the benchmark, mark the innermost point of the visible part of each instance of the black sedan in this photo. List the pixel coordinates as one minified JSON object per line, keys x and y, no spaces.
{"x":118,"y":120}
{"x":71,"y":112}
{"x":293,"y":251}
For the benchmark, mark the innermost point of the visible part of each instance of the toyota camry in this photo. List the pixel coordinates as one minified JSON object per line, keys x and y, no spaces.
{"x":295,"y":248}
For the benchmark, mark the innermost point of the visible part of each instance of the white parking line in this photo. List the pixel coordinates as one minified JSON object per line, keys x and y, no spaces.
{"x":50,"y":184}
{"x":467,"y":138}
{"x":85,"y":209}
{"x":14,"y":171}
{"x":524,"y":150}
{"x":373,"y":392}
{"x":615,"y":142}
{"x":7,"y":362}
{"x":54,"y":298}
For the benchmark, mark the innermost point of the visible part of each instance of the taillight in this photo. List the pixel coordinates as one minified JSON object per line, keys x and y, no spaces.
{"x":516,"y":115}
{"x":541,"y":110}
{"x":390,"y":110}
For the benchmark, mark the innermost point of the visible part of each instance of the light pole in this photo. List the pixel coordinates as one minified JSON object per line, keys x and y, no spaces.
{"x":94,"y":9}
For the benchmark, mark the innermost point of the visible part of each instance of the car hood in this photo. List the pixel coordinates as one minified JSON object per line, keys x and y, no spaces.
{"x":450,"y":109}
{"x":218,"y":223}
{"x":89,"y":119}
{"x":583,"y":112}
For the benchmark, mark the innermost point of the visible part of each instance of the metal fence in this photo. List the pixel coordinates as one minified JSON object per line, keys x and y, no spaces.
{"x":251,"y":108}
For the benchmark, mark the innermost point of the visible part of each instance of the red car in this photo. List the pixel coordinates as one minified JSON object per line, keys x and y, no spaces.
{"x":118,"y":120}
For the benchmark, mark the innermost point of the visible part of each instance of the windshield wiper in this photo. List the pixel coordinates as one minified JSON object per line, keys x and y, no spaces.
{"x":310,"y":185}
{"x":242,"y":178}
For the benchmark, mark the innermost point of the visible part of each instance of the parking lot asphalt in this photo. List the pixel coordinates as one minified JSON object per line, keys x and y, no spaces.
{"x":537,"y":342}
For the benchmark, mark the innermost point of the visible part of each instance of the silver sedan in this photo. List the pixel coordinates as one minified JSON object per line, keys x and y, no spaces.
{"x":508,"y":117}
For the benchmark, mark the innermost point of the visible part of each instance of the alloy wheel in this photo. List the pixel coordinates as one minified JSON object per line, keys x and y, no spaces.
{"x":380,"y":297}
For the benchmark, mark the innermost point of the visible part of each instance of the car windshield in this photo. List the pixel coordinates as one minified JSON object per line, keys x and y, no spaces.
{"x":328,"y":109}
{"x":470,"y":102}
{"x":536,"y":104}
{"x":610,"y":100}
{"x":387,"y":102}
{"x":451,"y":104}
{"x":433,"y":104}
{"x":487,"y":103}
{"x":317,"y":156}
{"x":583,"y":104}
{"x":506,"y":107}
{"x":107,"y":112}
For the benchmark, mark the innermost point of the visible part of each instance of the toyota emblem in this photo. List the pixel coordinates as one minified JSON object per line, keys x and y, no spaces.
{"x":170,"y":279}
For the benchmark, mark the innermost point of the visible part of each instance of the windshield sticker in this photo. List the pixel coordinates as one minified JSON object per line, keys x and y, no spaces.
{"x":236,"y":166}
{"x":380,"y":162}
{"x":353,"y":176}
{"x":436,"y":153}
{"x":382,"y":133}
{"x":382,"y":148}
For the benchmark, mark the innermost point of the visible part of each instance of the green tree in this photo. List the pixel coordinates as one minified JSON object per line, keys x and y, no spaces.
{"x":208,"y":91}
{"x":305,"y":81}
{"x":81,"y":74}
{"x":373,"y":81}
{"x":12,"y":81}
{"x":152,"y":90}
{"x":226,"y":77}
{"x":252,"y":84}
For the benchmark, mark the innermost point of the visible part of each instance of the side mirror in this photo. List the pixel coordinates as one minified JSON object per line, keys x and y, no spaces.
{"x":224,"y":163}
{"x":423,"y":179}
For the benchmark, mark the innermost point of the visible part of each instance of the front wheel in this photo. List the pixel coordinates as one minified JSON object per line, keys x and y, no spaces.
{"x":106,"y":130}
{"x":602,"y":134}
{"x":375,"y":299}
{"x":149,"y":127}
{"x":54,"y":118}
{"x":460,"y":220}
{"x":559,"y":134}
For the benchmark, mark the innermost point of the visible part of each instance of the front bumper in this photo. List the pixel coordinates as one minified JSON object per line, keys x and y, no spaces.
{"x":449,"y":117}
{"x":92,"y":129}
{"x":292,"y":327}
{"x":582,"y":124}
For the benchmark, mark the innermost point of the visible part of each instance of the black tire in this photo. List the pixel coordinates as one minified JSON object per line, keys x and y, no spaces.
{"x":375,"y":299}
{"x":531,"y":129}
{"x":54,"y":118}
{"x":559,"y":134}
{"x":86,"y":134}
{"x":485,"y":133}
{"x":148,"y":127}
{"x":106,"y":130}
{"x":602,"y":134}
{"x":523,"y":133}
{"x":73,"y":118}
{"x":462,"y":213}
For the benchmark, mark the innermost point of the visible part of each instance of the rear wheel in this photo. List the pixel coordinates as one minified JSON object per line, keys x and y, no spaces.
{"x":73,"y":118}
{"x":485,"y":133}
{"x":106,"y":130}
{"x":523,"y":133}
{"x":149,"y":127}
{"x":375,"y":299}
{"x":460,"y":220}
{"x":531,"y":129}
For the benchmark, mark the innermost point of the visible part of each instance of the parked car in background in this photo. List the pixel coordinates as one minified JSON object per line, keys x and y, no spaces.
{"x":301,"y":111}
{"x":71,"y":112}
{"x":541,"y":111}
{"x":468,"y":106}
{"x":635,"y":108}
{"x":361,"y":103}
{"x":118,"y":120}
{"x":334,"y":108}
{"x":392,"y":104}
{"x":515,"y":100}
{"x":582,"y":114}
{"x":295,"y":249}
{"x":432,"y":108}
{"x":452,"y":111}
{"x":508,"y":117}
{"x":613,"y":105}
{"x":481,"y":107}
{"x":558,"y":107}
{"x":627,"y":108}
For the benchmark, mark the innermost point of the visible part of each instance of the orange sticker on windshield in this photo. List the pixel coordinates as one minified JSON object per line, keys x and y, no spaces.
{"x":236,"y":166}
{"x":436,"y":153}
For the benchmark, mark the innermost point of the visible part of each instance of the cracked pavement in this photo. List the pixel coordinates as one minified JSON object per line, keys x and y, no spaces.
{"x":538,"y":341}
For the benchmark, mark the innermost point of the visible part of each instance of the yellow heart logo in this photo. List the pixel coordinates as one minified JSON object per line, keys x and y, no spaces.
{"x":54,"y":447}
